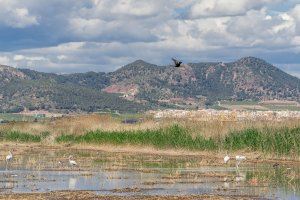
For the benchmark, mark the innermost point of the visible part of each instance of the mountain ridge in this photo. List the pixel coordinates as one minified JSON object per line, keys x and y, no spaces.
{"x":140,"y":85}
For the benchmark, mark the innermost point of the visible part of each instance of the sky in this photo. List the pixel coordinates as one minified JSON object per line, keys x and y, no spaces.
{"x":67,"y":36}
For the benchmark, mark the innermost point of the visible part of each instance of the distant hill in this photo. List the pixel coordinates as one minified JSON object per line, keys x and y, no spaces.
{"x":140,"y":85}
{"x":26,"y":89}
{"x":245,"y":79}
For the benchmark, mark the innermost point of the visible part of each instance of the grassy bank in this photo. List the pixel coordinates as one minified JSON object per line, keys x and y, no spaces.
{"x":172,"y":137}
{"x":279,"y":141}
{"x":17,"y":136}
{"x":283,"y":141}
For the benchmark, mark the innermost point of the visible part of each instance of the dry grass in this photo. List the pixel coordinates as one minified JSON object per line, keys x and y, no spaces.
{"x":82,"y":123}
{"x":220,"y":129}
{"x":76,"y":125}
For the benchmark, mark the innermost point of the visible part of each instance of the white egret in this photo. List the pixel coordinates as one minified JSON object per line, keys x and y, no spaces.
{"x":226,"y":159}
{"x":8,"y":158}
{"x":239,"y":159}
{"x":72,"y":162}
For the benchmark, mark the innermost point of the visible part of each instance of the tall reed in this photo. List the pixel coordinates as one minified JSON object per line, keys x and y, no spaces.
{"x":276,"y":140}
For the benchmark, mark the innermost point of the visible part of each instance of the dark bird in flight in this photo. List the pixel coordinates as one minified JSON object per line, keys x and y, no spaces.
{"x":177,"y":63}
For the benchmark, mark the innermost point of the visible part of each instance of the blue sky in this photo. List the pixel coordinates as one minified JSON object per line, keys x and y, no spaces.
{"x":65,"y":36}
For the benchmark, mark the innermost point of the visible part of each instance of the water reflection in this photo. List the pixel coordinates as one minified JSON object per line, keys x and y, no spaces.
{"x":72,"y":183}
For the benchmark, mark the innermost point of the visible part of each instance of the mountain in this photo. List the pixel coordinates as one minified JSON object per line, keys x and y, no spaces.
{"x":27,"y":89}
{"x":246,"y":79}
{"x":140,"y":85}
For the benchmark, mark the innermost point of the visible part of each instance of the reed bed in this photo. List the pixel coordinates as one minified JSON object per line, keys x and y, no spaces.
{"x":17,"y":136}
{"x":172,"y":137}
{"x":280,"y":137}
{"x":81,"y":124}
{"x":282,"y":141}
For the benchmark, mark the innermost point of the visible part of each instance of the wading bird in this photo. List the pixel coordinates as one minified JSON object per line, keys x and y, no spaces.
{"x":226,"y":159}
{"x":177,"y":63}
{"x":239,"y":159}
{"x":8,"y":158}
{"x":72,"y":162}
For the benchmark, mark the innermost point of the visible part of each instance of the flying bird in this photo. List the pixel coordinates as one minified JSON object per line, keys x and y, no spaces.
{"x":177,"y":63}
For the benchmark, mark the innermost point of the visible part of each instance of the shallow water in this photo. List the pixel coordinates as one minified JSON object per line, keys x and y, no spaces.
{"x":125,"y":174}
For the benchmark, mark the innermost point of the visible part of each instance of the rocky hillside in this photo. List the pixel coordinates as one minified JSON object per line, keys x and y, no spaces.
{"x":141,"y":85}
{"x":246,"y":79}
{"x":30,"y":90}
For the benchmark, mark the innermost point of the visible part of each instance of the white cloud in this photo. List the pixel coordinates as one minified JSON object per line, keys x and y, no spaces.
{"x":20,"y":18}
{"x":217,"y":8}
{"x":29,"y":58}
{"x":142,"y":8}
{"x":15,"y":15}
{"x":87,"y":28}
{"x":101,"y":35}
{"x":4,"y":60}
{"x":18,"y":57}
{"x":62,"y":57}
{"x":295,"y":13}
{"x":120,"y":9}
{"x":120,"y":20}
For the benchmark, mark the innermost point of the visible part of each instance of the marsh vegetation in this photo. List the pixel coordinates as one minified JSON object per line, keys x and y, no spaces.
{"x":280,"y":138}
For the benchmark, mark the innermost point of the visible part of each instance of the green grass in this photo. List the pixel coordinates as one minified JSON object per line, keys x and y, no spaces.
{"x":282,"y":141}
{"x":173,"y":137}
{"x":20,"y":137}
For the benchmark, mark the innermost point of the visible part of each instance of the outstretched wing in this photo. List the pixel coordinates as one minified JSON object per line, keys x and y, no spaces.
{"x":175,"y":61}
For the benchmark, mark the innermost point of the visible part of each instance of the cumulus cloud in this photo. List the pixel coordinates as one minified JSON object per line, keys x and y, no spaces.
{"x":4,"y":60}
{"x":120,"y":20}
{"x":120,"y":9}
{"x":255,"y":28}
{"x":29,"y":58}
{"x":15,"y":15}
{"x":295,"y":13}
{"x":217,"y":8}
{"x":101,"y":35}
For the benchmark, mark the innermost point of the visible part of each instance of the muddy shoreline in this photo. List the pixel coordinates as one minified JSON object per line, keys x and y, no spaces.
{"x":59,"y":195}
{"x":211,"y":157}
